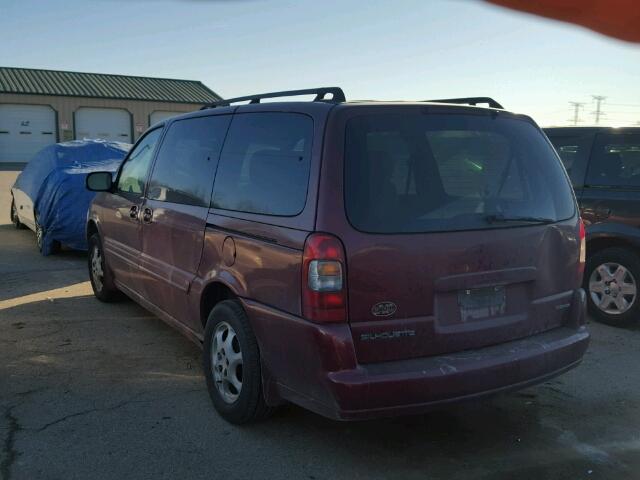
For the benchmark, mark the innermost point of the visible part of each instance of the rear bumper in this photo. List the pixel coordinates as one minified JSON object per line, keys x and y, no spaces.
{"x":315,"y":366}
{"x":414,"y":386}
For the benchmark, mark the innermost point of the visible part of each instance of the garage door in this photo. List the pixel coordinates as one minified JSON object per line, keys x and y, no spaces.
{"x":25,"y":129}
{"x":160,"y":115}
{"x":106,"y":123}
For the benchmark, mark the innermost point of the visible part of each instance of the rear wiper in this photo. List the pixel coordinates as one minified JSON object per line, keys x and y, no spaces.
{"x":499,"y":218}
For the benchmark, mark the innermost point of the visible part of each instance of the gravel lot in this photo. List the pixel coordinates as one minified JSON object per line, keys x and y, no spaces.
{"x":97,"y":391}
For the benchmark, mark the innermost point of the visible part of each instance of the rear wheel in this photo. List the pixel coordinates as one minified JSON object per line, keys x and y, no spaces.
{"x":55,"y":245}
{"x":611,"y":280}
{"x":101,"y":279}
{"x":14,"y":216}
{"x":39,"y":234}
{"x":231,"y":362}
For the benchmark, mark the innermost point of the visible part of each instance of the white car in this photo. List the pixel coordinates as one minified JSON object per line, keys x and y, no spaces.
{"x":22,"y":214}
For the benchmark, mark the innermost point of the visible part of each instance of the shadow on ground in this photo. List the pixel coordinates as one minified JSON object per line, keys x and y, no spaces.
{"x":108,"y":391}
{"x":24,"y":271}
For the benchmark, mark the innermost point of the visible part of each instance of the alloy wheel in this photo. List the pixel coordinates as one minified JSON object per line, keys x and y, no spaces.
{"x":226,"y":359}
{"x":97,"y":273}
{"x":613,"y":289}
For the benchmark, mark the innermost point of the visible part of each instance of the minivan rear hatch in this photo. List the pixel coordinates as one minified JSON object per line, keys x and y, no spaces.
{"x":463,"y":232}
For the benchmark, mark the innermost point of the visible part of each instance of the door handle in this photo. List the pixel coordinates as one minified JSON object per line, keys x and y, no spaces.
{"x":133,"y":212}
{"x":147,"y":215}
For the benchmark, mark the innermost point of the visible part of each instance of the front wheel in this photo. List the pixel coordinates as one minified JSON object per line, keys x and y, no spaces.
{"x":231,"y":362}
{"x":611,"y":280}
{"x":101,"y":279}
{"x":15,"y":219}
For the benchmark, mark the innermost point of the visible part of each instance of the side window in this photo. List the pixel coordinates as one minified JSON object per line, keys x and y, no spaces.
{"x":615,"y":161}
{"x":136,"y":168}
{"x":187,"y":160}
{"x":264,"y":165}
{"x":571,"y":149}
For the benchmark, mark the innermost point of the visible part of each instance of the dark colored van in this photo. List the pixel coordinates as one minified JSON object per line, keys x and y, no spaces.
{"x":359,"y":259}
{"x":604,"y":166}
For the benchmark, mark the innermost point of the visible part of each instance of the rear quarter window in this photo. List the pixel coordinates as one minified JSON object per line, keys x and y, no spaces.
{"x":264,"y":165}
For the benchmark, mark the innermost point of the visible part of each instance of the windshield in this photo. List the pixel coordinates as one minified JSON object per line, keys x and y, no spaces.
{"x":407,"y":173}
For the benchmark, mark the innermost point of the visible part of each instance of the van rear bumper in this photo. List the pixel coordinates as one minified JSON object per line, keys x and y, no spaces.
{"x":417,"y":385}
{"x":315,"y":366}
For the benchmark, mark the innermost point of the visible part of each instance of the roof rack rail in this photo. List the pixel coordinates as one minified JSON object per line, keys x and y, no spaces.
{"x":320,"y":93}
{"x":470,"y":101}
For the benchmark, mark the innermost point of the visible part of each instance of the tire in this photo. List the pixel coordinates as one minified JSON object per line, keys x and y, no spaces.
{"x":39,"y":234}
{"x":246,"y":404}
{"x":14,"y":217}
{"x":612,"y":281}
{"x":55,"y":245}
{"x":99,"y":274}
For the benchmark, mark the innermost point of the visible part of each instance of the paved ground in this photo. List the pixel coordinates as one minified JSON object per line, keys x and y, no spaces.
{"x":97,"y":391}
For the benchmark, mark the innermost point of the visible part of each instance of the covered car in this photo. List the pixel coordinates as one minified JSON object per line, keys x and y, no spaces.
{"x":49,"y":195}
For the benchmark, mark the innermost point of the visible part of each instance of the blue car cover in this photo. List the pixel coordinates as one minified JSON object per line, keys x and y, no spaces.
{"x":54,"y":179}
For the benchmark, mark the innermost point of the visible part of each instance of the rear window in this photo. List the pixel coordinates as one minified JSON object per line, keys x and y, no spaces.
{"x":409,"y":173}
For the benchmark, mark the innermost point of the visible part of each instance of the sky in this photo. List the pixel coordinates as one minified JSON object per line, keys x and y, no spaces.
{"x":373,"y":49}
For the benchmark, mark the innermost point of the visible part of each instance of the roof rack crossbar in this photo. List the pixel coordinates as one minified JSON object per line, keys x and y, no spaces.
{"x":337,"y":95}
{"x":470,"y":101}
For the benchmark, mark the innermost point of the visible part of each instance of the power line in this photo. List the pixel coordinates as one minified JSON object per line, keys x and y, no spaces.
{"x":625,"y":104}
{"x":576,"y":111}
{"x":598,"y":111}
{"x":623,"y":112}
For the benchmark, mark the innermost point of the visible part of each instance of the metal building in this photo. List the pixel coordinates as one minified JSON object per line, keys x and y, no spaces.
{"x":40,"y":107}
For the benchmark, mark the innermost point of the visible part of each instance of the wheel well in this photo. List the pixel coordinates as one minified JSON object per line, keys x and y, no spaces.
{"x":91,"y":229}
{"x":598,"y":244}
{"x":213,"y":294}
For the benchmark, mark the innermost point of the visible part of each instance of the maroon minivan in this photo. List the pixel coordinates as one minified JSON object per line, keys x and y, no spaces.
{"x":359,"y":259}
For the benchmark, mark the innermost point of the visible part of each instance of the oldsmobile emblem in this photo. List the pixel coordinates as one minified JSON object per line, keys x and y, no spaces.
{"x":383,"y":309}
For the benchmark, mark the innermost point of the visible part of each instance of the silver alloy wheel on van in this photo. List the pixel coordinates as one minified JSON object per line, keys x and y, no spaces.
{"x":97,"y":273}
{"x":226,"y":359}
{"x":612,"y":288}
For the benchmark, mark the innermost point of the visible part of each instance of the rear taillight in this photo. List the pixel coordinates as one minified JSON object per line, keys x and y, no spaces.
{"x":324,"y":297}
{"x":583,"y":250}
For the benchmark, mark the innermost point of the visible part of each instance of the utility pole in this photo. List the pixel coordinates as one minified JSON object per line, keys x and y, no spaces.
{"x":576,"y":111}
{"x":598,"y":111}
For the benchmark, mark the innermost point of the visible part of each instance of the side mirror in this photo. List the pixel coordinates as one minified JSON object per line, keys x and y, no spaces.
{"x":99,"y":182}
